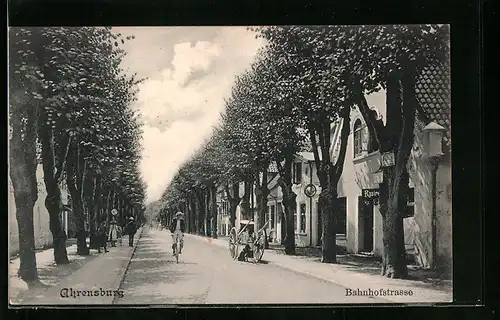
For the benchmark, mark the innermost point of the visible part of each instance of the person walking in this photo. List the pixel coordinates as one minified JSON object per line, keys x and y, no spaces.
{"x":113,"y":231}
{"x":131,"y":229}
{"x":102,"y":237}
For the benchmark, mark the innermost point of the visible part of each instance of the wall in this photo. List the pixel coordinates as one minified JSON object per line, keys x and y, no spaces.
{"x":43,"y":236}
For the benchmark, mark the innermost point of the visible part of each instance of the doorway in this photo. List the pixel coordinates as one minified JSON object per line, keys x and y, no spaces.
{"x":341,"y":217}
{"x":366,"y":224}
{"x":282,"y":221}
{"x":320,"y":225}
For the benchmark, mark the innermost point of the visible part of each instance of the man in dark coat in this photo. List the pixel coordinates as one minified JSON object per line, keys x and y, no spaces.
{"x":131,"y":229}
{"x":102,"y":236}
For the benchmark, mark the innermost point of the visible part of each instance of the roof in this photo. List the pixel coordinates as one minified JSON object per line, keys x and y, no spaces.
{"x":433,"y":91}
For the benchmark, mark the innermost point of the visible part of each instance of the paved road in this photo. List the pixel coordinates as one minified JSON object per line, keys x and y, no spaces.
{"x":207,"y":275}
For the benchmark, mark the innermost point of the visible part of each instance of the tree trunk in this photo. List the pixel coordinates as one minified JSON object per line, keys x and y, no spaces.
{"x":245,"y":201}
{"x":23,"y":177}
{"x":290,"y":207}
{"x":234,"y":201}
{"x":52,"y":173}
{"x":192,"y":215}
{"x":396,"y":136}
{"x":23,"y":164}
{"x":396,"y":178}
{"x":98,"y":200}
{"x":208,"y":217}
{"x":329,"y":176}
{"x":201,"y":213}
{"x":289,"y":202}
{"x":91,"y":206}
{"x":392,"y":207}
{"x":327,"y":199}
{"x":107,"y":206}
{"x":74,"y":183}
{"x":261,"y":194}
{"x":214,"y":213}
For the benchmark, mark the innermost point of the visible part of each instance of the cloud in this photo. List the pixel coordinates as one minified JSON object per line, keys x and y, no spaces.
{"x":183,"y":96}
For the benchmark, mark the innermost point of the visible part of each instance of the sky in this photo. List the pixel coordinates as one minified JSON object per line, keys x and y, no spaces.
{"x":189,"y":71}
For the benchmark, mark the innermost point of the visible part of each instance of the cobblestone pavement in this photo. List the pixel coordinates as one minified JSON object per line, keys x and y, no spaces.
{"x":206,"y":274}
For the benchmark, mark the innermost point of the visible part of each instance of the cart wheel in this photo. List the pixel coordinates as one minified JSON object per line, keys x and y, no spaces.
{"x":233,"y":244}
{"x":259,"y":245}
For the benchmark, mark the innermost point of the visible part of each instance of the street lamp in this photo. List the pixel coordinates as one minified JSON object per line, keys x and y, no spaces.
{"x":433,"y":135}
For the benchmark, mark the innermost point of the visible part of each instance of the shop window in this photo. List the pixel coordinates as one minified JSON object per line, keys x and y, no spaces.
{"x":358,"y":141}
{"x":303,"y":218}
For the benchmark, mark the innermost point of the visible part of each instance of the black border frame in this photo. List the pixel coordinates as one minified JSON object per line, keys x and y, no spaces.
{"x":465,"y":18}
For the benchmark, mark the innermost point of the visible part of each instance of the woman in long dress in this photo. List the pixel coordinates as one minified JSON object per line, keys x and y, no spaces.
{"x":113,"y":232}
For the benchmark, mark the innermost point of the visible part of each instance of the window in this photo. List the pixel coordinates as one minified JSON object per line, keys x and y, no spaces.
{"x":297,"y":172}
{"x":303,"y":218}
{"x":358,"y":135}
{"x":273,"y":208}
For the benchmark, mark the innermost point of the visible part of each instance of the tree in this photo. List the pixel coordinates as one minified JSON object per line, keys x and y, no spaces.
{"x":25,"y":80}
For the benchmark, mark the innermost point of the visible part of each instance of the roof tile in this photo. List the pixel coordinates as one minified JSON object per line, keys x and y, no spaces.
{"x":433,"y":95}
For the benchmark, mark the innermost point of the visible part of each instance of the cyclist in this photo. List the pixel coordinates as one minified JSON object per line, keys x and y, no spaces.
{"x":177,"y":228}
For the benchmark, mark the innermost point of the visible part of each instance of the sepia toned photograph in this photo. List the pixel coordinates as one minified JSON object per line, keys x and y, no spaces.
{"x":229,"y":165}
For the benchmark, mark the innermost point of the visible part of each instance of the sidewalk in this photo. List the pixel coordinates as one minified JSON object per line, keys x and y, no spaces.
{"x":99,"y":273}
{"x":346,"y":276}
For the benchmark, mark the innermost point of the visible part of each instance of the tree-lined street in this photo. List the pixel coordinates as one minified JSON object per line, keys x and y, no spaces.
{"x":74,"y":116}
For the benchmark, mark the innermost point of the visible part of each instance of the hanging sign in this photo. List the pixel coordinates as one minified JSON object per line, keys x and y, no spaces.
{"x":387,"y":159}
{"x":310,"y":190}
{"x":371,"y":195}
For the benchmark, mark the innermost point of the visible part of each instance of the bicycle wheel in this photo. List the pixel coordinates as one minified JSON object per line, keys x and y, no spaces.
{"x":177,"y":252}
{"x":259,"y":245}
